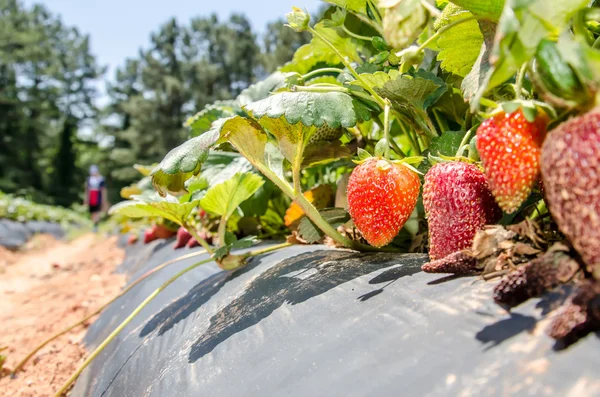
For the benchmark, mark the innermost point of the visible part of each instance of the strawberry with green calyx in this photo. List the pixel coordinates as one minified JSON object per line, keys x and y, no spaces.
{"x":509,"y":145}
{"x":458,"y":203}
{"x":382,"y":194}
{"x":571,"y":174}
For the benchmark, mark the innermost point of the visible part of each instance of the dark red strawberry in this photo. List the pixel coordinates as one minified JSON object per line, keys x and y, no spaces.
{"x":458,"y":203}
{"x":509,"y":146}
{"x":571,"y":174}
{"x":183,"y":236}
{"x":381,"y":197}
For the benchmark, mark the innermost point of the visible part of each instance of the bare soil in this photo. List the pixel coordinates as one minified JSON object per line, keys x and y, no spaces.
{"x":44,"y":288}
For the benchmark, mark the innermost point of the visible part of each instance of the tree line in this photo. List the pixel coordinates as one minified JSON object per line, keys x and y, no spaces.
{"x":51,"y":128}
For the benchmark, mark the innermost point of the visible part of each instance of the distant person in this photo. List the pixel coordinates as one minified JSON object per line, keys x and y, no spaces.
{"x":95,"y":195}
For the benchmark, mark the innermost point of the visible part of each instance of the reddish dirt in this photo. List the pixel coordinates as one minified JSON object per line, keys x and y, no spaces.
{"x":44,"y":288}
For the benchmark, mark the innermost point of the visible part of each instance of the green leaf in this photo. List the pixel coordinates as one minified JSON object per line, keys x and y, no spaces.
{"x":446,"y":144}
{"x":317,"y":53}
{"x":223,"y":199}
{"x":522,"y":26}
{"x":263,"y":88}
{"x":403,"y":22}
{"x":294,"y":117}
{"x":202,"y":121}
{"x":150,"y":206}
{"x":324,"y":152}
{"x":311,"y":108}
{"x":311,"y":233}
{"x":359,"y":6}
{"x":223,"y":251}
{"x":363,"y":154}
{"x":476,"y":81}
{"x":452,"y":105}
{"x":185,"y":161}
{"x":337,"y":19}
{"x":489,"y":8}
{"x":221,"y":166}
{"x":412,"y":95}
{"x":460,"y":45}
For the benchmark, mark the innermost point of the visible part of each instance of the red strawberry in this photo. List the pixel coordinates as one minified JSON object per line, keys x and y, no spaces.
{"x":458,"y":203}
{"x":132,"y":239}
{"x":183,"y":236}
{"x":163,"y":232}
{"x":192,"y":243}
{"x":509,"y":146}
{"x":149,"y":235}
{"x":571,"y":175}
{"x":381,"y":197}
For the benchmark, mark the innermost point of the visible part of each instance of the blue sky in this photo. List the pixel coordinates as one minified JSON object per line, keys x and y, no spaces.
{"x":118,"y":28}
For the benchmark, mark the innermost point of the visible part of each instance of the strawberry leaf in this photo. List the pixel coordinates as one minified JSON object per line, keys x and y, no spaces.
{"x":263,"y":88}
{"x":294,"y":117}
{"x":446,"y":144}
{"x":522,"y":26}
{"x":184,"y":161}
{"x":153,"y":206}
{"x":324,"y":152}
{"x":460,"y":45}
{"x":490,"y":9}
{"x":317,"y":53}
{"x":202,"y":121}
{"x":223,"y":199}
{"x":311,"y":233}
{"x":359,"y":6}
{"x":403,"y":22}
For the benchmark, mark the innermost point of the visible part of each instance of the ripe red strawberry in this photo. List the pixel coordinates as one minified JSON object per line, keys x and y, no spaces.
{"x":183,"y":236}
{"x":509,"y":146}
{"x":162,"y":231}
{"x":192,"y":243}
{"x":149,"y":235}
{"x":571,"y":175}
{"x":458,"y":203}
{"x":381,"y":197}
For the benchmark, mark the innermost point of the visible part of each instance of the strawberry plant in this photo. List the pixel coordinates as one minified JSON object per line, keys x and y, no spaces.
{"x":479,"y":97}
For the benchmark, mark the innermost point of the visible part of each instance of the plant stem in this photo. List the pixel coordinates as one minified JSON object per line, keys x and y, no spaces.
{"x":488,"y":102}
{"x":24,"y":361}
{"x":319,"y":71}
{"x":316,"y":88}
{"x":519,"y":82}
{"x":199,"y":239}
{"x":123,"y":324}
{"x":465,"y":139}
{"x":442,"y":124}
{"x":364,"y":84}
{"x":386,"y":127}
{"x":222,"y":230}
{"x":437,"y":34}
{"x":375,"y":11}
{"x":356,"y":36}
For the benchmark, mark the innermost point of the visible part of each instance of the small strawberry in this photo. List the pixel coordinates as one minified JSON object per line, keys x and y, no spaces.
{"x":163,"y":232}
{"x":458,"y":203}
{"x":132,"y":239}
{"x":149,"y":235}
{"x":183,"y":236}
{"x":381,"y":197}
{"x":571,"y":175}
{"x":509,"y":146}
